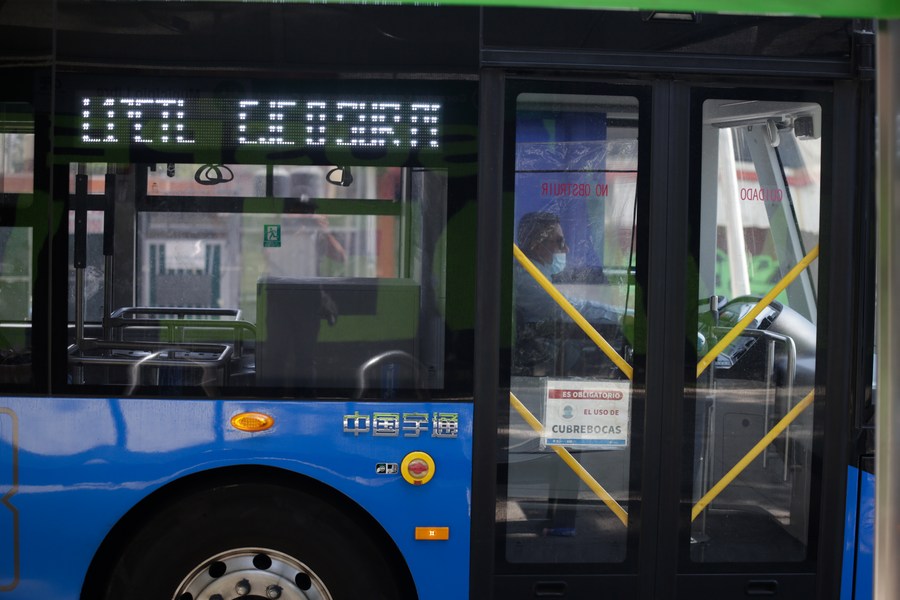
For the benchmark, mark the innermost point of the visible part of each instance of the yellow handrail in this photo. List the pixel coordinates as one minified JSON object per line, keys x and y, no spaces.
{"x":789,"y":418}
{"x":758,"y":308}
{"x":573,"y":312}
{"x":742,"y":464}
{"x":610,"y":352}
{"x":572,"y":462}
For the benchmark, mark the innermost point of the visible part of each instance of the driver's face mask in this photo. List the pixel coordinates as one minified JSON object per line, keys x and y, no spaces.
{"x":559,"y":263}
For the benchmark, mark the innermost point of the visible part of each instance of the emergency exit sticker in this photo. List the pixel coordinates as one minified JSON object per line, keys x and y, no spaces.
{"x":586,"y":413}
{"x":272,"y":236}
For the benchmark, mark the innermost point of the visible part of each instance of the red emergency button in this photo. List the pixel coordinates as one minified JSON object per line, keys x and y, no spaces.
{"x":417,"y":468}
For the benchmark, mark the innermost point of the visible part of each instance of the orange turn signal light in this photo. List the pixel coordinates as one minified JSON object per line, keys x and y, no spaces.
{"x":432,"y":533}
{"x":252,"y":421}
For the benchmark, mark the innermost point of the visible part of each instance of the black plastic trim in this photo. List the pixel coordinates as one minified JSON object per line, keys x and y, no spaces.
{"x":670,"y":63}
{"x":487,"y":328}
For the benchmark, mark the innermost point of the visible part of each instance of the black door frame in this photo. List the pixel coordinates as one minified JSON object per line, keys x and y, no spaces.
{"x":664,"y":376}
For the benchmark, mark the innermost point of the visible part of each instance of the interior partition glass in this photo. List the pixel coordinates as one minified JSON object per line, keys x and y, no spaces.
{"x":16,"y":242}
{"x":568,"y":462}
{"x":753,"y":413}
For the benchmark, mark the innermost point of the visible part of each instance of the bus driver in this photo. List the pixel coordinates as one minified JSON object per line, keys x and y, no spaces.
{"x":542,"y":348}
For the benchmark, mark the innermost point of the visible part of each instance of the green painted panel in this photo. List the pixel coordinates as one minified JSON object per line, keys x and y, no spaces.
{"x":877,"y":9}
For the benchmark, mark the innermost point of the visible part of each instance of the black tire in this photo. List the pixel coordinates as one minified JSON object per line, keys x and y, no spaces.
{"x":296,"y":530}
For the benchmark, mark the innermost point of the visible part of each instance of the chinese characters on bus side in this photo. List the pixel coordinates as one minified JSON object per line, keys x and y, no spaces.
{"x":298,"y":123}
{"x":413,"y":424}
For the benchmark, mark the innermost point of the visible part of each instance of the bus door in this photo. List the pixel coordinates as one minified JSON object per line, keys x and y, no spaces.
{"x":570,"y":463}
{"x":660,"y":436}
{"x":750,"y":409}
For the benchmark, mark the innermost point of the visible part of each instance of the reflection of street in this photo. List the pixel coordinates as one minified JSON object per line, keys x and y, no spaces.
{"x":599,"y":536}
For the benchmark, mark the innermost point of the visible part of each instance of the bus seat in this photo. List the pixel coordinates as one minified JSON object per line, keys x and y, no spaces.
{"x":318,"y":332}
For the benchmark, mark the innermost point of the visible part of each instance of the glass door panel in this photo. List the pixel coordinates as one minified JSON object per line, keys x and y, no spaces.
{"x":568,"y":467}
{"x":752,"y":463}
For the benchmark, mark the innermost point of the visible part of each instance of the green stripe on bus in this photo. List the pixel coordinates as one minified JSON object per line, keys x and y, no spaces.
{"x":876,"y":9}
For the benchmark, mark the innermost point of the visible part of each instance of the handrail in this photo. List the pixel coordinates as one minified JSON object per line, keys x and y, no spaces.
{"x":220,"y":353}
{"x":742,"y":464}
{"x":789,"y":418}
{"x":572,"y":462}
{"x":570,"y":310}
{"x":701,"y":366}
{"x":131,"y":317}
{"x":154,"y":355}
{"x":757,"y":308}
{"x":128,"y":312}
{"x":418,"y":368}
{"x":607,"y":349}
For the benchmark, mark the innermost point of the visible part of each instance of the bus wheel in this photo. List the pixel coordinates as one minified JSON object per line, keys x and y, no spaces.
{"x":258,"y":571}
{"x":256,"y":541}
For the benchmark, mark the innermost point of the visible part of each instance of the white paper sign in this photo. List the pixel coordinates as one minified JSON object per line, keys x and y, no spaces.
{"x":185,"y":254}
{"x":586,"y":413}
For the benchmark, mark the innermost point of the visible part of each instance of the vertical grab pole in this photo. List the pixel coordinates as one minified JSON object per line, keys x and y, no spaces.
{"x":109,"y":220}
{"x":80,"y":251}
{"x":887,"y":409}
{"x":79,"y":261}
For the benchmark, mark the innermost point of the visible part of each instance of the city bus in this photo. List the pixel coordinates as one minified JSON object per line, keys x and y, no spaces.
{"x":431,"y":301}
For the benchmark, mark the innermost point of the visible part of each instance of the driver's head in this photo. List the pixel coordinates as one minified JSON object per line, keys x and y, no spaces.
{"x":540,"y":236}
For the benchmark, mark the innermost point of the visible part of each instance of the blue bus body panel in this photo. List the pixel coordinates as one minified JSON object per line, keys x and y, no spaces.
{"x":859,"y":536}
{"x":70,"y":468}
{"x":848,"y":563}
{"x":865,"y":553}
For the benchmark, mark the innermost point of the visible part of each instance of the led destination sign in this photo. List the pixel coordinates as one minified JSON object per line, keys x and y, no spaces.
{"x":310,"y":122}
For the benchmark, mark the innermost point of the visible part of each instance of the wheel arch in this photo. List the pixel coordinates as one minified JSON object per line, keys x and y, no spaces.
{"x":120,"y":535}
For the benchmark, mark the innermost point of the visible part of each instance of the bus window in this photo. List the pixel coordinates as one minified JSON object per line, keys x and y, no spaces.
{"x":576,"y":170}
{"x":16,"y":149}
{"x":759,"y":228}
{"x":16,"y":242}
{"x":15,"y":304}
{"x":767,"y":211}
{"x":233,"y":276}
{"x":341,"y":231}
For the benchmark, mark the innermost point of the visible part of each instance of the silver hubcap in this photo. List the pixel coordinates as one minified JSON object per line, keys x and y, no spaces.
{"x":250,"y":574}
